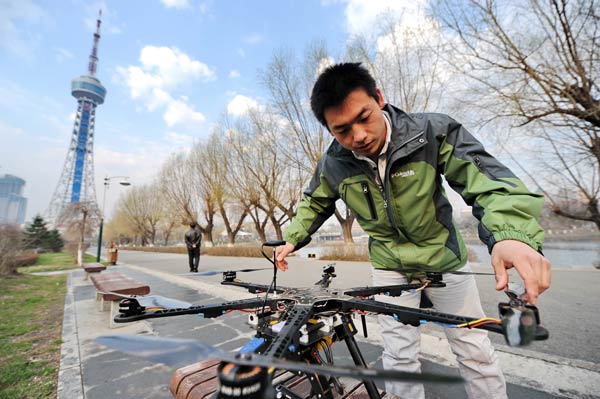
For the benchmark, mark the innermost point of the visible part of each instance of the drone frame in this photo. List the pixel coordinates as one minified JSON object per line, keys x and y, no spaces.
{"x":300,"y":307}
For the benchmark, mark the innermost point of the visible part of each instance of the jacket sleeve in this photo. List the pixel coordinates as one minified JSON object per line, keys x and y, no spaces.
{"x":505,"y":208}
{"x":316,"y":206}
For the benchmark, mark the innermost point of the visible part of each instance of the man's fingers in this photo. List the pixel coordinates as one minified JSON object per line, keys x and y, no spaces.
{"x":282,"y":265}
{"x":530,"y":279}
{"x":280,"y":253}
{"x":545,"y":275}
{"x":501,"y":275}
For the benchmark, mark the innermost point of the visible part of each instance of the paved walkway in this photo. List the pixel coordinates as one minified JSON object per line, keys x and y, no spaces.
{"x":91,"y":371}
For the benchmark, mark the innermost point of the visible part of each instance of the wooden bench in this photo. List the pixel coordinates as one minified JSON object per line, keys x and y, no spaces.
{"x":113,"y":282}
{"x":199,"y":381}
{"x":92,"y":268}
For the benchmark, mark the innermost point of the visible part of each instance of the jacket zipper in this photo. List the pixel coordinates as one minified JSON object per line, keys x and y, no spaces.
{"x":479,"y":165}
{"x":369,"y":198}
{"x":386,"y":185}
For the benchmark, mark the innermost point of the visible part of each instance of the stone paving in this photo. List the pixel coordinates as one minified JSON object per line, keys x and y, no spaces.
{"x":104,"y":373}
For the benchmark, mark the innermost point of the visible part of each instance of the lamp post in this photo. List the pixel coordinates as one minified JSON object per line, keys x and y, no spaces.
{"x":123,"y":182}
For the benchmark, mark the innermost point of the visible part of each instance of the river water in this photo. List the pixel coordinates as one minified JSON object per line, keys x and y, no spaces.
{"x":562,"y":254}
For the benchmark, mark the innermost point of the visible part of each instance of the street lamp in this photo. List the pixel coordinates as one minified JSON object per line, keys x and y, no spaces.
{"x":124,"y":182}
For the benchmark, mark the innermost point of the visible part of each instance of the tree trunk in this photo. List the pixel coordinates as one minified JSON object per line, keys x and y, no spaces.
{"x":346,"y":224}
{"x":277,"y":227}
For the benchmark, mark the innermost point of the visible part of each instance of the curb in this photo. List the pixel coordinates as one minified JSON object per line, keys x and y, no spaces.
{"x":70,"y":384}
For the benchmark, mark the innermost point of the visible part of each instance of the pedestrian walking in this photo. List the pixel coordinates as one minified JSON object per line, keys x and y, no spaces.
{"x":193,"y":239}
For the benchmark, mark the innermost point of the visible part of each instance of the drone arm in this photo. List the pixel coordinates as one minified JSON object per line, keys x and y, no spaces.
{"x":130,"y":313}
{"x":253,"y":288}
{"x":389,"y":290}
{"x":414,"y":316}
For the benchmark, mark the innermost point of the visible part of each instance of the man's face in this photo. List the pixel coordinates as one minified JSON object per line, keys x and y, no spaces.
{"x":358,"y":123}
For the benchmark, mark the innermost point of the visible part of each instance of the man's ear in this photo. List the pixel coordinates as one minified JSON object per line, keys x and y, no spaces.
{"x":380,"y":100}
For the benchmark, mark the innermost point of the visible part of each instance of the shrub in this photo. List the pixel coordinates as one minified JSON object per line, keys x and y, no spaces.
{"x":351,"y":252}
{"x":25,"y":259}
{"x":247,"y":250}
{"x":10,"y":245}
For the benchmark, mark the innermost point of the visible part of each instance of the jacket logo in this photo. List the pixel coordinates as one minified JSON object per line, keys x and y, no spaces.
{"x":403,"y":173}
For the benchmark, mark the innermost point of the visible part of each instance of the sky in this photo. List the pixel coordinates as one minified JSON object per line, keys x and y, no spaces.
{"x":171,"y":69}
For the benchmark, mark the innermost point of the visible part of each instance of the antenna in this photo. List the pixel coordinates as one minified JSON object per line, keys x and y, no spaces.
{"x":93,"y":64}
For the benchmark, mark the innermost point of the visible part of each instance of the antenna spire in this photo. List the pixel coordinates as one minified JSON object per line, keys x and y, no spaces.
{"x":93,"y":64}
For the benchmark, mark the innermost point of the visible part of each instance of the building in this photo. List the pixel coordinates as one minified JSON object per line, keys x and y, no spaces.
{"x":12,"y":203}
{"x":76,"y":183}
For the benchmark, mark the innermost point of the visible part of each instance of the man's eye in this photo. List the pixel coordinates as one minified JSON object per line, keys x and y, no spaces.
{"x":365,"y":119}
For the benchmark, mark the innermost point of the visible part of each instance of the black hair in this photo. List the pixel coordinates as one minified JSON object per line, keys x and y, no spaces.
{"x":335,"y":83}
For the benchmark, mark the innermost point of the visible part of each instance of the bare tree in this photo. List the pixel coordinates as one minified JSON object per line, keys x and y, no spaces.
{"x":406,"y":61}
{"x":303,"y":142}
{"x":259,"y":161}
{"x":80,"y":220}
{"x":184,"y":189}
{"x":543,"y":77}
{"x":170,"y":217}
{"x":142,"y":210}
{"x":210,"y":163}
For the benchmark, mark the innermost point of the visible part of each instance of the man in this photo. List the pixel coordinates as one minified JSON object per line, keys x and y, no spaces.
{"x":193,"y":237}
{"x":387,"y":166}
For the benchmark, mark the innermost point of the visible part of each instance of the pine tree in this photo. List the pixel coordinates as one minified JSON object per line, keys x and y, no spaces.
{"x":36,"y":234}
{"x":54,"y":241}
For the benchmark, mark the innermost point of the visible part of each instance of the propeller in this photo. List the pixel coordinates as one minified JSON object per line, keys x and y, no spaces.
{"x":178,"y":352}
{"x":449,"y":272}
{"x":215,"y":272}
{"x":154,"y":301}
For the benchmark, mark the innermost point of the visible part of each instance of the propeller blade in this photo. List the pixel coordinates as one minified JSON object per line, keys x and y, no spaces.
{"x":152,"y":301}
{"x":171,"y":352}
{"x":253,"y":270}
{"x":177,"y":352}
{"x":451,"y":272}
{"x":215,"y":272}
{"x":197,"y":274}
{"x":473,"y":273}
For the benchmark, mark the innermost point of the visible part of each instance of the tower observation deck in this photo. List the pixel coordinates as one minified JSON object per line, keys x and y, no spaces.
{"x":76,"y":183}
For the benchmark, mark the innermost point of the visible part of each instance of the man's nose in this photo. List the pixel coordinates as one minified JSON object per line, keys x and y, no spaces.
{"x":359,"y":134}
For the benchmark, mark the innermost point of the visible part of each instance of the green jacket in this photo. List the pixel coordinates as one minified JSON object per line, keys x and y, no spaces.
{"x":409,"y":220}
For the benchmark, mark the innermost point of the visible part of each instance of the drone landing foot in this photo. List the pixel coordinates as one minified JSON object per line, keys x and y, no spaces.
{"x":346,"y":331}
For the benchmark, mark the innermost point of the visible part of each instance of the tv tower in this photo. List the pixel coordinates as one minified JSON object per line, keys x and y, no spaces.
{"x":76,"y":183}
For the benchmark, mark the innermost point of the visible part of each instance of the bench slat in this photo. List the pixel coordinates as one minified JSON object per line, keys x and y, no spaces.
{"x":118,"y":283}
{"x":199,"y":381}
{"x":93,"y":267}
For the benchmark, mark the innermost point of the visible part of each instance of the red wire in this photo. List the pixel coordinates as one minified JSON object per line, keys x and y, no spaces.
{"x":482,"y":323}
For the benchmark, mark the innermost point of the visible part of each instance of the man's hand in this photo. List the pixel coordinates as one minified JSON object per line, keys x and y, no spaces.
{"x":533,"y":268}
{"x":280,"y":253}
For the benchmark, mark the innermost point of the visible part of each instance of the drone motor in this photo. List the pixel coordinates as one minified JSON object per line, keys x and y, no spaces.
{"x":248,"y":382}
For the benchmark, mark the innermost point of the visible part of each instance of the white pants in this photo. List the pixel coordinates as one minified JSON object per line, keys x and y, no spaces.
{"x":478,"y":363}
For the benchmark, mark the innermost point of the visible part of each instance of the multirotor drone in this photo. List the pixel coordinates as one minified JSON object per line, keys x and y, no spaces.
{"x":297,"y":327}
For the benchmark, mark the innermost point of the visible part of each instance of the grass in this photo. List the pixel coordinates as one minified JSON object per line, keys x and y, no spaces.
{"x":51,"y":262}
{"x":30,"y":335}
